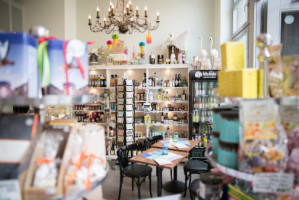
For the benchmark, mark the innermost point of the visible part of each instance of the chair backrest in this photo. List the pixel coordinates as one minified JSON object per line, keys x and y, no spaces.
{"x":148,"y":142}
{"x":124,"y":154}
{"x":197,"y":153}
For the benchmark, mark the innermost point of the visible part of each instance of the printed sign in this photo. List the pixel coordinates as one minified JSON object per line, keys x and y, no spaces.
{"x":273,"y":182}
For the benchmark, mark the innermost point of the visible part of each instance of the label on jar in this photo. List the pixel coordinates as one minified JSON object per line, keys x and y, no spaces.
{"x":258,"y":118}
{"x":289,"y":116}
{"x":273,"y":182}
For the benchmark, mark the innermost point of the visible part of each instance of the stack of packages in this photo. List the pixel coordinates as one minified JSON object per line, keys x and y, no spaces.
{"x":28,"y":64}
{"x":66,"y":160}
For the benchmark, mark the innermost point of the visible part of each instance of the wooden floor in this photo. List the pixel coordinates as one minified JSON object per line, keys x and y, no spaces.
{"x":111,"y":185}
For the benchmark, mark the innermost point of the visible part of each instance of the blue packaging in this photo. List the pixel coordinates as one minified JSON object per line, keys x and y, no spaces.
{"x":215,"y":142}
{"x":228,"y":154}
{"x":18,"y":65}
{"x":77,"y":85}
{"x":229,"y":125}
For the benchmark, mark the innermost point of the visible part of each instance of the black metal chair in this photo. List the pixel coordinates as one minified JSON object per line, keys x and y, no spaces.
{"x":136,"y":172}
{"x":196,"y":165}
{"x":193,"y":188}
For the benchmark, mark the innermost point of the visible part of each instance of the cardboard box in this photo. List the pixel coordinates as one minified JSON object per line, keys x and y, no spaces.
{"x":33,"y":193}
{"x":77,"y":85}
{"x":18,"y":65}
{"x":244,"y":83}
{"x":222,"y":83}
{"x":232,"y":56}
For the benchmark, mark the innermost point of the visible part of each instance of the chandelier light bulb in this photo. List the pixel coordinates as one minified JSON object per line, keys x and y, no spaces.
{"x":89,"y":17}
{"x":145,"y":8}
{"x":105,"y":19}
{"x":127,"y":5}
{"x":130,"y":2}
{"x":112,"y":6}
{"x":136,"y":7}
{"x":98,"y":9}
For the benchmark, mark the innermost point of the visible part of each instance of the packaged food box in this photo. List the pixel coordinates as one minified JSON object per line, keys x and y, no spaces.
{"x":74,"y":80}
{"x":18,"y":65}
{"x":232,"y":56}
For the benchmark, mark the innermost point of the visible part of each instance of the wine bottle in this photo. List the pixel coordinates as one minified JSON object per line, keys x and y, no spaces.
{"x":179,"y":81}
{"x":176,"y":81}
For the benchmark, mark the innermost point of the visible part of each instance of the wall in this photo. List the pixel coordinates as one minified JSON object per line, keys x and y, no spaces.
{"x":198,"y":16}
{"x":49,"y":14}
{"x":223,"y":21}
{"x":70,"y":7}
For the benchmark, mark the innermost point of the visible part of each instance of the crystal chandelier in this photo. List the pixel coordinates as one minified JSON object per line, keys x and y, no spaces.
{"x":123,"y":18}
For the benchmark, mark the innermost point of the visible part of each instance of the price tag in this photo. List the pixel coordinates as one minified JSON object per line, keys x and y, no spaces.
{"x":273,"y":182}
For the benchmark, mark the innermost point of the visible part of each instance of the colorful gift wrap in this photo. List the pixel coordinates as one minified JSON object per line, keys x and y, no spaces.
{"x":73,"y":79}
{"x":228,"y":154}
{"x":229,"y":124}
{"x":114,"y":39}
{"x":109,"y":45}
{"x":291,"y":75}
{"x":18,"y":65}
{"x":141,"y":45}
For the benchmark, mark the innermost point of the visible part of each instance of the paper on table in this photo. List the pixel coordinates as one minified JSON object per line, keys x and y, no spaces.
{"x":180,"y":146}
{"x":162,"y":161}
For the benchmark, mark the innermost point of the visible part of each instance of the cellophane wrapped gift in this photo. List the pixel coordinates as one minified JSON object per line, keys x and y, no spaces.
{"x":47,"y":171}
{"x":290,"y":121}
{"x":263,"y":142}
{"x":85,"y":158}
{"x":44,"y":176}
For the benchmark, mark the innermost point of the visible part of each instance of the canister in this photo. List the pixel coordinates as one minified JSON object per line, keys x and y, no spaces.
{"x":216,"y":115}
{"x":229,"y":125}
{"x":215,"y":141}
{"x":228,"y":154}
{"x":210,"y":186}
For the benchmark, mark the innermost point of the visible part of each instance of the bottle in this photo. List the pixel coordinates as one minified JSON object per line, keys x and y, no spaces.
{"x":162,"y":118}
{"x":112,"y":81}
{"x":180,"y":81}
{"x":160,"y":94}
{"x":169,"y":134}
{"x":172,"y":56}
{"x":164,"y":82}
{"x":183,"y":96}
{"x":180,"y":58}
{"x":104,"y":81}
{"x":151,"y":95}
{"x":115,"y":80}
{"x":150,"y":81}
{"x":199,"y":89}
{"x":167,"y":96}
{"x":152,"y":58}
{"x":164,"y":149}
{"x":164,"y":96}
{"x":175,"y":118}
{"x":176,"y":81}
{"x":166,"y":118}
{"x":144,"y":80}
{"x":176,"y":96}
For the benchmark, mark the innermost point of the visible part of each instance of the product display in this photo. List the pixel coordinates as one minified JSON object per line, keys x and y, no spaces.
{"x":221,"y":116}
{"x":18,"y":65}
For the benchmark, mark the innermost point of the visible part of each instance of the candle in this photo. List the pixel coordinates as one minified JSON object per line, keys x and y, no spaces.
{"x":112,"y":7}
{"x":158,"y":15}
{"x":89,"y":20}
{"x":137,"y":11}
{"x":98,"y":12}
{"x":104,"y":20}
{"x":109,"y":11}
{"x":130,"y":4}
{"x":127,"y":9}
{"x":145,"y":11}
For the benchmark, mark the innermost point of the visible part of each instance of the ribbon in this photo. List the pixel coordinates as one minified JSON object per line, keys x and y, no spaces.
{"x":80,"y":66}
{"x":43,"y":63}
{"x":66,"y":69}
{"x":78,"y":166}
{"x":43,"y":161}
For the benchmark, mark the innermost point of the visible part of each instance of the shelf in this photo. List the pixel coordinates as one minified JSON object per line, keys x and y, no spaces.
{"x":168,"y":101}
{"x":139,"y":101}
{"x":137,"y":138}
{"x":49,"y":100}
{"x":159,"y":124}
{"x":140,"y":88}
{"x":183,"y":111}
{"x":102,"y":88}
{"x":90,"y":110}
{"x":157,"y":88}
{"x":111,"y":157}
{"x":145,"y":66}
{"x":141,"y":124}
{"x":226,"y":170}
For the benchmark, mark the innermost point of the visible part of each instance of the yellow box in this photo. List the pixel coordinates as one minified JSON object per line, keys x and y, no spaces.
{"x":260,"y":83}
{"x":232,"y":56}
{"x":244,"y":83}
{"x":221,"y":83}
